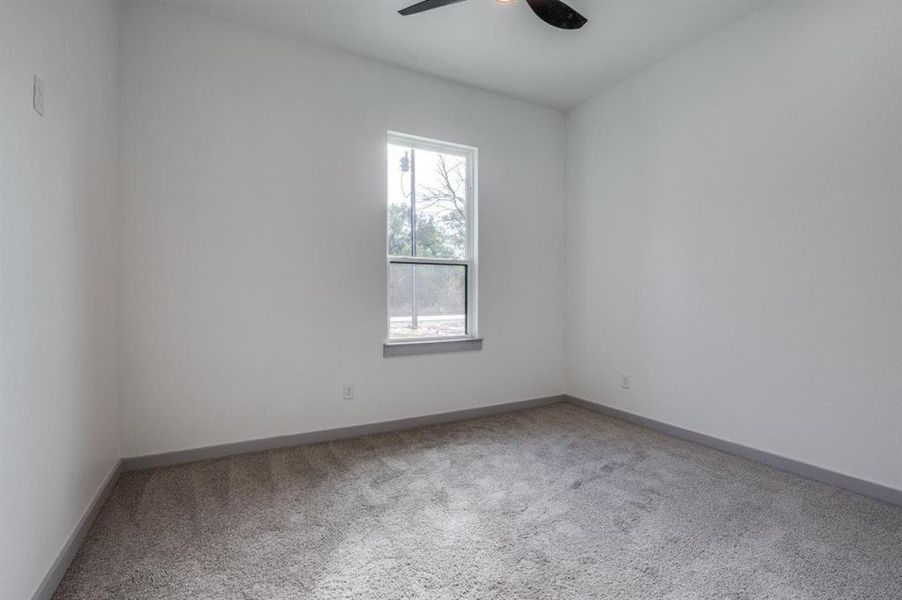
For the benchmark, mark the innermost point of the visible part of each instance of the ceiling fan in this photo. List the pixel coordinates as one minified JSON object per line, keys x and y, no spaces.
{"x":553,"y":12}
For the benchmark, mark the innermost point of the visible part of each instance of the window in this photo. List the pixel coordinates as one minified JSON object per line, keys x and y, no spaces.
{"x":431,"y":241}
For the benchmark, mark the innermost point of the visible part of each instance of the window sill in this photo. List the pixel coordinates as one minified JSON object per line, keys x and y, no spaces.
{"x":412,"y":348}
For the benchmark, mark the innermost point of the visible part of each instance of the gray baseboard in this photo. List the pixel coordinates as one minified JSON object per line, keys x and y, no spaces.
{"x":58,"y":569}
{"x":53,"y":577}
{"x":859,"y":486}
{"x":854,"y":484}
{"x":166,"y":459}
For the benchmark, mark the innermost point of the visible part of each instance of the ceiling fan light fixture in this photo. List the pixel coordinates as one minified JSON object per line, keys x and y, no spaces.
{"x":554,"y":12}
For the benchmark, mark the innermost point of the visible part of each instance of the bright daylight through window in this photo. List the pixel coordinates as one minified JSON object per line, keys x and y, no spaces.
{"x":431,"y":240}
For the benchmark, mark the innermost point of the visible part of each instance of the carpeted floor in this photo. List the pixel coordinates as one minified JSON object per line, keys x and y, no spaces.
{"x":555,"y":502}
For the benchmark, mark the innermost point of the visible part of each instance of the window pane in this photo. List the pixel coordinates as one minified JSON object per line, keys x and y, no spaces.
{"x":399,"y":175}
{"x":441,"y":204}
{"x":427,"y":301}
{"x":428,"y":190}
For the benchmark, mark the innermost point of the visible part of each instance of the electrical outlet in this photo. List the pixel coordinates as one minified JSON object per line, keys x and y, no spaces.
{"x":38,"y":97}
{"x":625,"y":381}
{"x":348,"y":390}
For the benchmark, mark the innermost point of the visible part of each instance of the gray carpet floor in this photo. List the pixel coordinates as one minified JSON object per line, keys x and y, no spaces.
{"x":555,"y":502}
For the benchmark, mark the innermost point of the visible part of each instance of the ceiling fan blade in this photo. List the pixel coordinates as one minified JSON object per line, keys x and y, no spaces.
{"x":426,"y":5}
{"x":555,"y":12}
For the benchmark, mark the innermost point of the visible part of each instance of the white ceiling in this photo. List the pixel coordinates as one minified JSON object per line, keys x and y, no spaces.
{"x":499,"y":47}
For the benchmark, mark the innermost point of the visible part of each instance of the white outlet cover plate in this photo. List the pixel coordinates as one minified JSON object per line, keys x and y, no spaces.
{"x":625,"y":381}
{"x":38,"y":98}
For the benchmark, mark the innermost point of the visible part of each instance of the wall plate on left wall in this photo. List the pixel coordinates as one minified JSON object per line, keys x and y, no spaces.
{"x":38,"y":97}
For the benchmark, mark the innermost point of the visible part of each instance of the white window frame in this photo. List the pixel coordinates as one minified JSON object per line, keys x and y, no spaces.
{"x":470,"y":154}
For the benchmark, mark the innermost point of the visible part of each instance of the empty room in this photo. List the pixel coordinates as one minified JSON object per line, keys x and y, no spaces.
{"x":450,"y":299}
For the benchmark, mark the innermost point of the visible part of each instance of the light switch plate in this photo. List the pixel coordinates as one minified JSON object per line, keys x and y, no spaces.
{"x":38,"y":98}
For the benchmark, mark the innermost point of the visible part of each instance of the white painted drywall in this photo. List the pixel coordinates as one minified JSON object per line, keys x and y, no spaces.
{"x":253,"y":237}
{"x":59,"y":434}
{"x":734,"y":238}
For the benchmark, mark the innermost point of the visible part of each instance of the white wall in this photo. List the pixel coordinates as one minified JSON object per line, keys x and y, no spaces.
{"x":58,"y":286}
{"x":734,"y":223}
{"x":253,"y":237}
